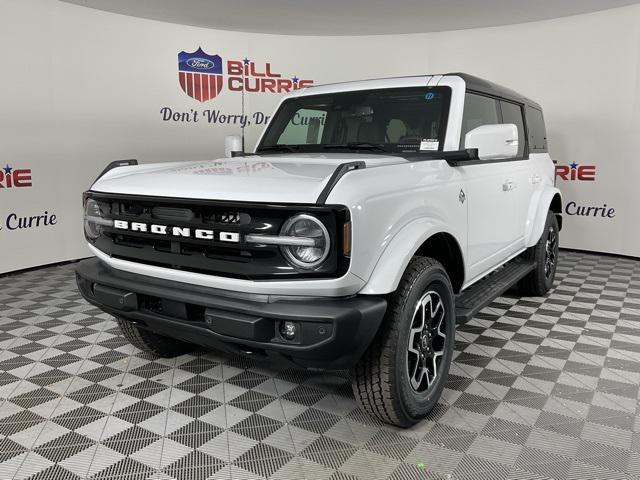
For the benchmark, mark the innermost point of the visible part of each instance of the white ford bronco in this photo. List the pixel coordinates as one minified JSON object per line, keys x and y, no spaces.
{"x":371,"y":218}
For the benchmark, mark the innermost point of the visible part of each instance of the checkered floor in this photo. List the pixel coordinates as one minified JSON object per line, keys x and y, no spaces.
{"x":539,"y":388}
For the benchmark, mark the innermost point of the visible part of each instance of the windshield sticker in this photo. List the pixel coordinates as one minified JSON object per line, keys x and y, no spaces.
{"x":429,"y":144}
{"x":429,"y":96}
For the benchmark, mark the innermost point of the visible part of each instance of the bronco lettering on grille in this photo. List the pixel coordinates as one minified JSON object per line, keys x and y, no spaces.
{"x":187,"y":232}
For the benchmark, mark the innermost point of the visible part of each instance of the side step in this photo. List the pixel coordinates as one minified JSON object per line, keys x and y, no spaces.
{"x":482,"y":293}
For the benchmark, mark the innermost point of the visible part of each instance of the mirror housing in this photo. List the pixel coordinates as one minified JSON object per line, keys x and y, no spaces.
{"x":232,"y":146}
{"x":494,"y":142}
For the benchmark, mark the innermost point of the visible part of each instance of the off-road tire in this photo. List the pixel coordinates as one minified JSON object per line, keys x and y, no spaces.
{"x":538,"y":282}
{"x":152,"y":343}
{"x":380,"y":380}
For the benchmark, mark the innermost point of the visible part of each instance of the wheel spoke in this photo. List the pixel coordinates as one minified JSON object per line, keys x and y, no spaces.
{"x":415,"y":367}
{"x":435,"y":368}
{"x":420,"y":314}
{"x":416,"y":382}
{"x":438,"y":327}
{"x":425,"y":374}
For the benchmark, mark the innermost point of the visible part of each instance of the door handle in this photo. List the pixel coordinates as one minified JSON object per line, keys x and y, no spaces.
{"x":536,"y":179}
{"x":508,"y":185}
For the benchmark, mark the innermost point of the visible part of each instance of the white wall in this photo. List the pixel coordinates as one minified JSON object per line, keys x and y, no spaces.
{"x":80,"y":87}
{"x":585,"y":71}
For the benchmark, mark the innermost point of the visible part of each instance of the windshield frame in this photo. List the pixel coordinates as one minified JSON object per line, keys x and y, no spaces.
{"x":355,"y":147}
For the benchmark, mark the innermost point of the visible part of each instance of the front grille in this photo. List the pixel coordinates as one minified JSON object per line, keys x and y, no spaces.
{"x":213,"y":256}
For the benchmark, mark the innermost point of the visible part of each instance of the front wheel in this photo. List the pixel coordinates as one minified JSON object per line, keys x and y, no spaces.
{"x":157,"y":345}
{"x":401,"y":376}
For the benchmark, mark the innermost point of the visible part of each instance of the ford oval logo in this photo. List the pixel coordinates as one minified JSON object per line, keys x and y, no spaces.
{"x":200,"y":63}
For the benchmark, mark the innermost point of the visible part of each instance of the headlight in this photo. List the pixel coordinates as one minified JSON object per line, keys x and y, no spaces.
{"x":308,"y":227}
{"x":94,"y":219}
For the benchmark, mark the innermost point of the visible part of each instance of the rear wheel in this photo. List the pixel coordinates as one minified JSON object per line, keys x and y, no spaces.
{"x":401,"y":376}
{"x":152,"y":342}
{"x":545,"y":255}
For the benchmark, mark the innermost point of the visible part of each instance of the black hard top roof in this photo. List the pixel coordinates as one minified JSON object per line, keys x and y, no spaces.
{"x":481,"y":85}
{"x":474,"y":83}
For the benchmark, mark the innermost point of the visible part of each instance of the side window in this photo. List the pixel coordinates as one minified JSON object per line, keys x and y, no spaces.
{"x":512,"y":113}
{"x":537,"y":131}
{"x":478,"y":110}
{"x":305,"y":127}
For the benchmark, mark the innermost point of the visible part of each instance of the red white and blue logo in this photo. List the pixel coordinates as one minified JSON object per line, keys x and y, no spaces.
{"x":200,"y":74}
{"x":575,"y":172}
{"x":15,"y":177}
{"x":203,"y":76}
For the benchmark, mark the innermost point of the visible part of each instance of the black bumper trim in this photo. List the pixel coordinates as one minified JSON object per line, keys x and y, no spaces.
{"x":333,"y":332}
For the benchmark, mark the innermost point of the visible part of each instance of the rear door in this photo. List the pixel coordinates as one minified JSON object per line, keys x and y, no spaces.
{"x":521,"y":170}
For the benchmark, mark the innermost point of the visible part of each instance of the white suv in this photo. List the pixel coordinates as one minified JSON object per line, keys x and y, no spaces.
{"x":372,"y":216}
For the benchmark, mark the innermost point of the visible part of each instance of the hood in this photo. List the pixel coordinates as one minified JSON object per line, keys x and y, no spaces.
{"x":293,"y":178}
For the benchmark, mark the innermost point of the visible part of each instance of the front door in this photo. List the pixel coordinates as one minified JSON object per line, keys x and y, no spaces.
{"x":493,"y":192}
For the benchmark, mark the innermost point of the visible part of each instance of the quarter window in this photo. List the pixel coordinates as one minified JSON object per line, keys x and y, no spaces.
{"x":537,"y":131}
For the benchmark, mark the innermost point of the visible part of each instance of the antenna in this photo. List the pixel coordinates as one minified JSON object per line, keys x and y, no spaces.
{"x":242,"y":107}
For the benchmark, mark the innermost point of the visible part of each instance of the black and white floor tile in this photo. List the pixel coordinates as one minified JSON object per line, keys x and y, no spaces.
{"x":540,"y":388}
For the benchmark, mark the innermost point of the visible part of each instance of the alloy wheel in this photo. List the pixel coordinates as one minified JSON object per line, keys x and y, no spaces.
{"x":551,"y":252}
{"x":426,"y":343}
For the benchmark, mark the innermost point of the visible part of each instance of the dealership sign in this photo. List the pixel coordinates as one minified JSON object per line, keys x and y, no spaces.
{"x":603,"y":211}
{"x":16,"y":221}
{"x":15,"y":177}
{"x":575,"y":172}
{"x":202,"y":76}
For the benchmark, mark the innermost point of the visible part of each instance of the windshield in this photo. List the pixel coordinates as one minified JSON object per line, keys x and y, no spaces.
{"x":410,"y":119}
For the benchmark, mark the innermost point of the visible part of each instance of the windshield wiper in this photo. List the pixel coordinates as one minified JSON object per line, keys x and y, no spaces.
{"x":379,"y":147}
{"x":280,"y":147}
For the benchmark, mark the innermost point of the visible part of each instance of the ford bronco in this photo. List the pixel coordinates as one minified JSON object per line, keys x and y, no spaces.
{"x":371,"y":217}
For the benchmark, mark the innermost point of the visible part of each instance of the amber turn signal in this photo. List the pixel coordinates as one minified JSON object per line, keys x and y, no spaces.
{"x":346,"y":239}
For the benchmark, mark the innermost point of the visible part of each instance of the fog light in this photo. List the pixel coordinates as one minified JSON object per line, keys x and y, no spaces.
{"x":288,"y":330}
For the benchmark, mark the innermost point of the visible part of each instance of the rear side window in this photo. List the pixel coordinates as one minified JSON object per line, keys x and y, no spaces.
{"x":478,"y":110}
{"x":537,"y":131}
{"x":512,"y":113}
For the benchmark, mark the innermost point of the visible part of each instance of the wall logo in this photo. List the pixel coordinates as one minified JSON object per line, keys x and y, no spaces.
{"x":602,"y":211}
{"x":576,"y":172}
{"x":202,"y":76}
{"x":13,"y":221}
{"x":15,"y":177}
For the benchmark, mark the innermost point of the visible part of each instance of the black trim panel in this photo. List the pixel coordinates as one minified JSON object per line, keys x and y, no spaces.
{"x":337,"y":174}
{"x":486,"y":87}
{"x":116,"y":164}
{"x":333,"y":332}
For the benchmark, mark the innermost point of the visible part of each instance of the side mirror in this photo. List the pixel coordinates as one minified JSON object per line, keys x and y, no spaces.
{"x":494,"y":142}
{"x":232,"y":146}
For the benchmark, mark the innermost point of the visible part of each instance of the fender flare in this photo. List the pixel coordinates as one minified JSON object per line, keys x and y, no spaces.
{"x":542,"y":206}
{"x":398,"y":253}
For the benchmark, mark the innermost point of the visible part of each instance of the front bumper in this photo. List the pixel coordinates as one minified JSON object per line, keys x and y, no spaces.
{"x":332,"y":333}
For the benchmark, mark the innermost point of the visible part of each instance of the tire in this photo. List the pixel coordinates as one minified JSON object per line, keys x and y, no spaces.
{"x":545,"y":255}
{"x":381,"y":380}
{"x":152,"y":343}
